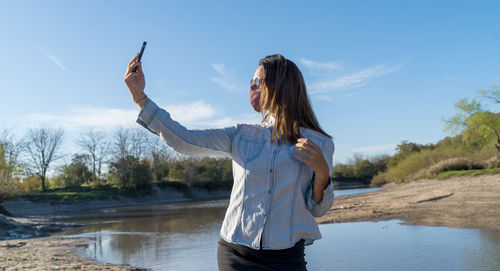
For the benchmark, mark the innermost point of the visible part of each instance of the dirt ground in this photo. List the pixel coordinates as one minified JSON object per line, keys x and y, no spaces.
{"x":50,"y":253}
{"x":461,"y":202}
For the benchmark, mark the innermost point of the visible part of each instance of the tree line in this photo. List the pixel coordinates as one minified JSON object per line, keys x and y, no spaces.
{"x":126,"y":158}
{"x":474,"y":143}
{"x":133,"y":159}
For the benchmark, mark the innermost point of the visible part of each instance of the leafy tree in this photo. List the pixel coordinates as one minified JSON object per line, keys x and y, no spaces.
{"x":403,"y":150}
{"x":76,"y":173}
{"x":206,"y":169}
{"x":9,"y":185}
{"x":131,"y":173}
{"x":492,"y":94}
{"x":360,"y":169}
{"x":12,"y":148}
{"x":478,"y":125}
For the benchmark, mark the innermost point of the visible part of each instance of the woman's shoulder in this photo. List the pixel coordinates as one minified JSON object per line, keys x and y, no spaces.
{"x":252,"y":131}
{"x":315,"y":136}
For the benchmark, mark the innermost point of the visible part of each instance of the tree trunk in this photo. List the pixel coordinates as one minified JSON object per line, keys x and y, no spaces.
{"x":43,"y":183}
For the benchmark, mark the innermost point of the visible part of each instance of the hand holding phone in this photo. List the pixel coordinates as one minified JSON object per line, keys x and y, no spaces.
{"x":135,"y":80}
{"x":140,"y":55}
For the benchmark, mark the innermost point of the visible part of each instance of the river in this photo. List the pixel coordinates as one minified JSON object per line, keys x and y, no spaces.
{"x":183,"y":236}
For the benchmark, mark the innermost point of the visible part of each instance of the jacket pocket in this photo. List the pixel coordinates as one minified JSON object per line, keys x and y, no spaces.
{"x":250,"y":148}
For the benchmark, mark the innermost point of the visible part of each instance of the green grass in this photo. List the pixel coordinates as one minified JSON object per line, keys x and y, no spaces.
{"x":471,"y":173}
{"x":74,"y":194}
{"x":59,"y":195}
{"x":68,"y":196}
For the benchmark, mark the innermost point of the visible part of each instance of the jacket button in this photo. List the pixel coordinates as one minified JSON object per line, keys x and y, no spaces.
{"x":271,"y":170}
{"x":269,"y":191}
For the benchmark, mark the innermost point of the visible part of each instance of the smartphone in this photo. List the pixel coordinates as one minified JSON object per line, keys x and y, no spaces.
{"x":140,"y":55}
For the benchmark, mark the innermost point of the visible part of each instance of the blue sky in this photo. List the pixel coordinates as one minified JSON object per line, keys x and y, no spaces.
{"x":378,"y":72}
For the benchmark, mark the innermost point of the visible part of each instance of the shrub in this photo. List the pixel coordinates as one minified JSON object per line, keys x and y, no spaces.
{"x":418,"y":164}
{"x":359,"y":169}
{"x":457,"y":163}
{"x":492,"y":162}
{"x":379,"y":180}
{"x":74,"y":174}
{"x":10,"y":186}
{"x":206,"y":169}
{"x":32,"y":183}
{"x":130,"y":173}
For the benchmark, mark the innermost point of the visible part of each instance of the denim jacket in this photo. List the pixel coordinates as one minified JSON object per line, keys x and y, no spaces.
{"x":272,"y":189}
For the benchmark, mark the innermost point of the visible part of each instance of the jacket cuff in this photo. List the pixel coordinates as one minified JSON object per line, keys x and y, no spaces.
{"x":327,"y":193}
{"x":147,"y":114}
{"x":148,"y":111}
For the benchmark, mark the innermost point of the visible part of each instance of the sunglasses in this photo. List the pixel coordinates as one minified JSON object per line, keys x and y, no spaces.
{"x":256,"y":82}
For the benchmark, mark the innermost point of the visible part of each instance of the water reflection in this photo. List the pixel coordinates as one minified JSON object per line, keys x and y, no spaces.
{"x":184,"y":237}
{"x":388,"y":245}
{"x":155,"y":236}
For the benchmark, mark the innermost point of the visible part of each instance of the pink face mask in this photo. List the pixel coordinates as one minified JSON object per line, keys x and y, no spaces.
{"x":254,"y":93}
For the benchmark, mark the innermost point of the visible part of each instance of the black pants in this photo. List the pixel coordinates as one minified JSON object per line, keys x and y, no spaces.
{"x":236,"y":257}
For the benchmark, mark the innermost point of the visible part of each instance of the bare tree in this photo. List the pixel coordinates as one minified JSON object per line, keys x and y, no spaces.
{"x":42,"y":148}
{"x":122,"y":143}
{"x":129,"y":141}
{"x":139,"y":142}
{"x":94,"y":143}
{"x":158,"y":151}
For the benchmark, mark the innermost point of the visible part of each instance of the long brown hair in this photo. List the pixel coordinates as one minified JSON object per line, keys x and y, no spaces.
{"x":285,"y":96}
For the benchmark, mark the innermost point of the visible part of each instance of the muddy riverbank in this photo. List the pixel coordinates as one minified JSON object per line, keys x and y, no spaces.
{"x":462,"y":202}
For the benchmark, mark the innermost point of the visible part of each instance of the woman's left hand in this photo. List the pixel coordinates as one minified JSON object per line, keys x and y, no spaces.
{"x":313,"y":158}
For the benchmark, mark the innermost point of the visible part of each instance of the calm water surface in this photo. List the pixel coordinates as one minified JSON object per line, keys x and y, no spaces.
{"x":183,"y":236}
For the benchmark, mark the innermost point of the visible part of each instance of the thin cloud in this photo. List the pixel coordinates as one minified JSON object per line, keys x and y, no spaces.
{"x":328,"y":66}
{"x":194,"y":115}
{"x":79,"y":117}
{"x":376,"y":148}
{"x":53,"y":58}
{"x":191,"y":113}
{"x":197,"y":114}
{"x":352,"y":80}
{"x":324,"y":98}
{"x":225,"y":78}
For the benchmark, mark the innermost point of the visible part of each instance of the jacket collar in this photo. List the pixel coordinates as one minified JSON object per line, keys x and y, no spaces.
{"x":269,"y":122}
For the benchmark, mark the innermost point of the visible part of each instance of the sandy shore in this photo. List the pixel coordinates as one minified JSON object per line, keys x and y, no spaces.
{"x":50,"y":253}
{"x":462,"y":202}
{"x":31,"y":219}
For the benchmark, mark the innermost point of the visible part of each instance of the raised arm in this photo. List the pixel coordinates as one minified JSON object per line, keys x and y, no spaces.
{"x":207,"y":142}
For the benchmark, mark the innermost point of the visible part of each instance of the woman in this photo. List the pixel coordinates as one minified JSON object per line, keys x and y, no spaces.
{"x":281,"y":167}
